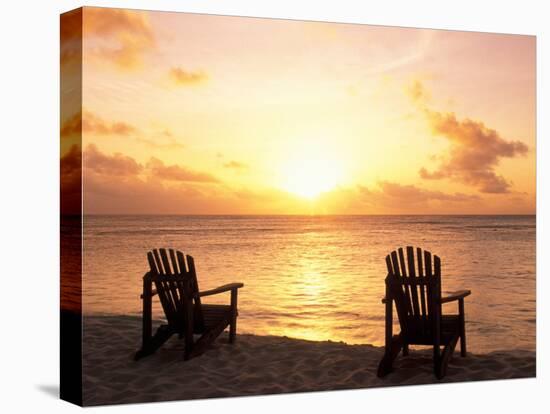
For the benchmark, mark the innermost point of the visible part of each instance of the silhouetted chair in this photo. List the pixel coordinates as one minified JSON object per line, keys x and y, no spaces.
{"x":176,"y":286}
{"x":416,"y":290}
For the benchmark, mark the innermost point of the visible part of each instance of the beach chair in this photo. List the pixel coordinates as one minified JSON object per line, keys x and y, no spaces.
{"x":175,"y":280}
{"x":415,"y":288}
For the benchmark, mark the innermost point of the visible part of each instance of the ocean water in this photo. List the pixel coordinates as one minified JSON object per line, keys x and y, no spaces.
{"x":322,"y":277}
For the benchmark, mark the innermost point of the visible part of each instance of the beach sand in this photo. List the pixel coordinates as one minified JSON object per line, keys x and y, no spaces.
{"x":259,"y":365}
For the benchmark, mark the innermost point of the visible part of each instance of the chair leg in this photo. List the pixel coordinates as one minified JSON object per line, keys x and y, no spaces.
{"x":233,"y":322}
{"x":188,"y":332}
{"x":437,"y":360}
{"x":206,"y":339}
{"x":463,"y":344}
{"x":386,"y":364}
{"x":164,"y":332}
{"x":462,"y":328}
{"x":405,"y":349}
{"x":232,"y":330}
{"x":443,"y":362}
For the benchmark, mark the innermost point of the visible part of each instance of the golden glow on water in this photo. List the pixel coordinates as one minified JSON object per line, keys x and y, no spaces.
{"x":308,"y":292}
{"x":322,"y":278}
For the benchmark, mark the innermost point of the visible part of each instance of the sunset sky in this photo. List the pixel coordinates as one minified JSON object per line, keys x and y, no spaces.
{"x":198,"y":114}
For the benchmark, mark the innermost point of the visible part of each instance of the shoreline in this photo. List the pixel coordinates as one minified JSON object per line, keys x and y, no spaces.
{"x":259,"y":365}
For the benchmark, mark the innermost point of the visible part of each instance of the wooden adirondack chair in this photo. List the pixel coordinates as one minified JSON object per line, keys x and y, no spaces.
{"x":416,"y":291}
{"x":176,"y":286}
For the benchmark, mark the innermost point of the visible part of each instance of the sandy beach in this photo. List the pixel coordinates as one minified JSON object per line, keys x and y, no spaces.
{"x":259,"y":365}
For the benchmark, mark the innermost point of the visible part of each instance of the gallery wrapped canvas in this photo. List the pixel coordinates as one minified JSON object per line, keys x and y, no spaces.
{"x":262,"y":206}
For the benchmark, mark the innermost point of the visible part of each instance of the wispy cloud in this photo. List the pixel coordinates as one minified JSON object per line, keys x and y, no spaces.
{"x":236,"y":165}
{"x":417,"y":92}
{"x":182,"y":77}
{"x":171,"y":144}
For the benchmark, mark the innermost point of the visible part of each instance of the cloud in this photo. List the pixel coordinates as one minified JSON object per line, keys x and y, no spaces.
{"x":119,"y":184}
{"x":92,"y":123}
{"x":72,"y":126}
{"x":132,"y":195}
{"x":183,"y":77}
{"x":99,"y":163}
{"x":171,"y":144}
{"x":474,"y":154}
{"x":71,"y":162}
{"x":122,"y":165}
{"x":71,"y":180}
{"x":112,"y":165}
{"x":88,"y":122}
{"x":417,"y":92}
{"x":71,"y":37}
{"x":179,"y":173}
{"x":106,"y":175}
{"x":121,"y":37}
{"x":236,"y":165}
{"x":475,"y":150}
{"x":394,"y":195}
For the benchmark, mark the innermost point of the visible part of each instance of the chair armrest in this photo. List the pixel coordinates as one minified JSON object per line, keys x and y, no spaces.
{"x":221,"y":289}
{"x":461,"y":294}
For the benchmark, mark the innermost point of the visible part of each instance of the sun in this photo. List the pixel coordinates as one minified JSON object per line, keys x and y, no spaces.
{"x":311,"y":174}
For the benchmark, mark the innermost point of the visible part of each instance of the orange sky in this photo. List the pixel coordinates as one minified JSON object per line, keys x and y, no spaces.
{"x":187,"y":113}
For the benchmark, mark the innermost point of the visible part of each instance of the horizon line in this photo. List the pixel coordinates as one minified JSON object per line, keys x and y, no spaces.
{"x":296,"y":215}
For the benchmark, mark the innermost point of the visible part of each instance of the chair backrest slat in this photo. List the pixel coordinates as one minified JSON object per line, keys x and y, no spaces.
{"x":199,"y":319}
{"x":413,"y":280}
{"x":158,"y":262}
{"x":415,"y":288}
{"x":170,"y":283}
{"x":421,"y":277}
{"x":437,"y":285}
{"x":395,"y":273}
{"x":157,"y":272}
{"x":180,"y":285}
{"x":389,"y":264}
{"x":406,"y":286}
{"x":176,"y":285}
{"x":174,"y":262}
{"x":428,"y":267}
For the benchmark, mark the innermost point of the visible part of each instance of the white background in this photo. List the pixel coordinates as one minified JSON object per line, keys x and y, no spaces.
{"x":29,"y":154}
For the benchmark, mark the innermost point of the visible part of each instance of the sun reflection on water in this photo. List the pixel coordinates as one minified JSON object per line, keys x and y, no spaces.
{"x":322,"y":278}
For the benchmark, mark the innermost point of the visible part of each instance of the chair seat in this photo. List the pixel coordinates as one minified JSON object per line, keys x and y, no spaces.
{"x":421,"y":333}
{"x":215,"y":314}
